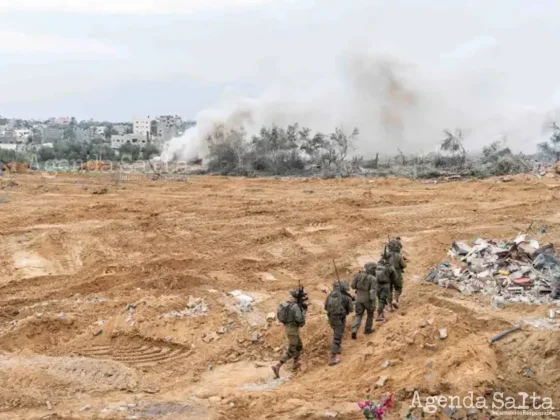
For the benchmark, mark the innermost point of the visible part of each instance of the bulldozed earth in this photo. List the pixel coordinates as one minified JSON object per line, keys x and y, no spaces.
{"x":156,"y":300}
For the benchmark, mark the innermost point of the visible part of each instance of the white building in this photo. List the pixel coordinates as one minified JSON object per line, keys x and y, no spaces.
{"x":142,"y":125}
{"x":134,"y":139}
{"x":24,"y":132}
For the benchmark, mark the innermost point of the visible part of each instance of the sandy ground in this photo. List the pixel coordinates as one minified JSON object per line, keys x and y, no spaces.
{"x":96,"y":320}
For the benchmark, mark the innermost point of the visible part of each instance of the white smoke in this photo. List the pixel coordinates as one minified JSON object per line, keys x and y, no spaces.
{"x":402,"y":95}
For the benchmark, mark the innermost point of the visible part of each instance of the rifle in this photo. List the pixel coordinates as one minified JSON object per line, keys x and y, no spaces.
{"x":338,"y":280}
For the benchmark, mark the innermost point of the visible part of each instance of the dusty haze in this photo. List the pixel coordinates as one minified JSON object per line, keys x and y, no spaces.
{"x":400,"y":72}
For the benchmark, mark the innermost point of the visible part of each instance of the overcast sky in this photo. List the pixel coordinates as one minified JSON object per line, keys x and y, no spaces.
{"x":112,"y":59}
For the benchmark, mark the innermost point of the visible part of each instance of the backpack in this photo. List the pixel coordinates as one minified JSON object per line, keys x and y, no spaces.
{"x":334,"y":304}
{"x":383,"y":271}
{"x":361,"y":281}
{"x":284,"y":313}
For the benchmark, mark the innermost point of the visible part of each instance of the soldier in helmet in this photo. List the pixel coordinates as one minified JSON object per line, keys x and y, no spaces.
{"x":365,"y":285}
{"x":292,"y":315}
{"x":398,"y":262}
{"x":385,"y":275}
{"x":338,"y":306}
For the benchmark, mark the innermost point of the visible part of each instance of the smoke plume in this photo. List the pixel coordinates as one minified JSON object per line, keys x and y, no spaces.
{"x":400,"y":79}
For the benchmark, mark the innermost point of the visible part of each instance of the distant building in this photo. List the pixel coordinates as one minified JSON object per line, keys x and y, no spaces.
{"x":63,"y":121}
{"x":99,"y":131}
{"x":142,"y":126}
{"x":168,"y":127}
{"x":24,"y":132}
{"x":13,"y":143}
{"x":134,"y":139}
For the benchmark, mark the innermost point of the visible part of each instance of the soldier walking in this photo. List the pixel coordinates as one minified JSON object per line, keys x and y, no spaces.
{"x":365,"y":285}
{"x":385,"y":275}
{"x":292,"y":315}
{"x":398,"y":262}
{"x":338,"y":305}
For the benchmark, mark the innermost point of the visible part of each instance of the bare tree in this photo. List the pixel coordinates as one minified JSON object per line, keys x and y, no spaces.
{"x":551,"y":149}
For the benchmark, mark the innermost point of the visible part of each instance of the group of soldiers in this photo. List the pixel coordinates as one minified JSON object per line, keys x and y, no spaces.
{"x":379,"y":285}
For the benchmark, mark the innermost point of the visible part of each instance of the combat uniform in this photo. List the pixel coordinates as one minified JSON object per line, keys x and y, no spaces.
{"x":365,"y":285}
{"x":337,"y":317}
{"x":385,"y":275}
{"x":295,"y":346}
{"x":399,"y":264}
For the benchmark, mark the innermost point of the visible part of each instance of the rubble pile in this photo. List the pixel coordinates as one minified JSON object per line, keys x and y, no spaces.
{"x":195,"y":307}
{"x":516,"y":271}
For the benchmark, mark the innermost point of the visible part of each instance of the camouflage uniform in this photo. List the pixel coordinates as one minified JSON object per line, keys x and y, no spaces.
{"x":365,"y":285}
{"x":398,"y":263}
{"x":338,"y":322}
{"x":295,"y":346}
{"x":385,"y":275}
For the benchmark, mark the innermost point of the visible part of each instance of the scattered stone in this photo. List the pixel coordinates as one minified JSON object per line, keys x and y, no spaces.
{"x":215,"y":399}
{"x":49,"y":405}
{"x":196,"y":307}
{"x":85,"y":408}
{"x":431,"y":322}
{"x":277,"y":349}
{"x":210,"y":367}
{"x":410,"y":389}
{"x":423,"y":324}
{"x":271,"y":316}
{"x":442,"y":333}
{"x":381,"y":382}
{"x":231,"y":405}
{"x":151,"y":390}
{"x":61,"y":316}
{"x":255,"y":337}
{"x":430,"y":346}
{"x":222,"y":330}
{"x":472,"y":412}
{"x":98,"y":332}
{"x":331,"y":414}
{"x":385,"y":364}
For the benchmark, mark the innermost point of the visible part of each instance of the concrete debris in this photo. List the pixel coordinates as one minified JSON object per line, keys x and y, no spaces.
{"x":382,"y":381}
{"x":386,"y":364}
{"x":270,"y":316}
{"x":49,"y":405}
{"x":244,"y":302}
{"x":442,"y":333}
{"x":196,"y":307}
{"x":85,"y":408}
{"x":498,"y":302}
{"x":520,"y":270}
{"x":98,"y":332}
{"x":255,"y":337}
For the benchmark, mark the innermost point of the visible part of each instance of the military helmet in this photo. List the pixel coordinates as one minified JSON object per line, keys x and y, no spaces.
{"x":294,"y":293}
{"x":340,"y":285}
{"x":370,"y":267}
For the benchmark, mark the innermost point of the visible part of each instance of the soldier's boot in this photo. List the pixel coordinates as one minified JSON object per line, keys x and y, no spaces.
{"x":395,"y":304}
{"x":390,"y":307}
{"x":297,"y":364}
{"x":333,"y":360}
{"x":369,"y":331}
{"x":354,"y":335}
{"x":380,"y":316}
{"x":276,"y":369}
